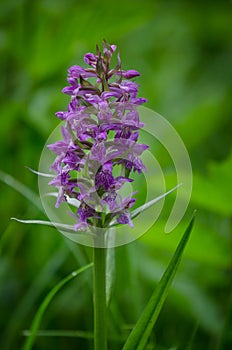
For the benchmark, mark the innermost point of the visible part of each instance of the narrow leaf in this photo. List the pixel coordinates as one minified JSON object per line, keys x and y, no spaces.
{"x":60,"y":333}
{"x":147,"y":205}
{"x":56,"y":225}
{"x":110,"y":264}
{"x":38,"y":316}
{"x":64,"y":227}
{"x":138,"y":337}
{"x":71,"y":334}
{"x":110,"y":272}
{"x":39,"y":173}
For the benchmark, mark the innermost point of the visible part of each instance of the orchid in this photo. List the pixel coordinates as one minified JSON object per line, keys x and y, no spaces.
{"x":100,"y":134}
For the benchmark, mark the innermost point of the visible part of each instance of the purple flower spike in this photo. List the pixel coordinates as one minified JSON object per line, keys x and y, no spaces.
{"x":99,"y":147}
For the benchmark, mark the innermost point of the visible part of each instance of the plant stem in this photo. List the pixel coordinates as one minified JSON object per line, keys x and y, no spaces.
{"x":100,"y":314}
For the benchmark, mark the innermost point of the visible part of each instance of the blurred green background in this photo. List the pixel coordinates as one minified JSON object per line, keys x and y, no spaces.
{"x":183,"y":50}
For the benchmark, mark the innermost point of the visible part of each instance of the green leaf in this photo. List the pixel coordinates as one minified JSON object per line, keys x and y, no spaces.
{"x":138,"y":338}
{"x":147,"y":205}
{"x":61,"y":333}
{"x":110,"y":265}
{"x":64,"y":227}
{"x":37,"y":319}
{"x":71,"y":334}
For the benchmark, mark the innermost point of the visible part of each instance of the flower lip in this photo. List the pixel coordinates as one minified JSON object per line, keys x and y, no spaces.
{"x":90,"y":59}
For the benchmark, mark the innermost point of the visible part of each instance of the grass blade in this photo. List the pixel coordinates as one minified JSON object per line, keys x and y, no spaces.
{"x":61,"y":333}
{"x":59,"y":226}
{"x":139,"y":210}
{"x":71,"y":334}
{"x":139,"y":335}
{"x":145,"y":206}
{"x":110,"y":264}
{"x":39,"y":314}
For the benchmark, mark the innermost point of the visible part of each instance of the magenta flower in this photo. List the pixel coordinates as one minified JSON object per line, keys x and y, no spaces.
{"x":100,"y":135}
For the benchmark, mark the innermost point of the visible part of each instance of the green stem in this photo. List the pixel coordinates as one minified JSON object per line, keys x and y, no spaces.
{"x":100,"y":314}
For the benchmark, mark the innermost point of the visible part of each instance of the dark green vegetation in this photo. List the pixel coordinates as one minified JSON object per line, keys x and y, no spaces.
{"x":183,"y":51}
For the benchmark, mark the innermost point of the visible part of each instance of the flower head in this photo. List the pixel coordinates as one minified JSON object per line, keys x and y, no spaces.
{"x":99,"y":136}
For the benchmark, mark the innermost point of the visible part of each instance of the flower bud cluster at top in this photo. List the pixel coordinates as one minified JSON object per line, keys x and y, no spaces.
{"x":99,"y":139}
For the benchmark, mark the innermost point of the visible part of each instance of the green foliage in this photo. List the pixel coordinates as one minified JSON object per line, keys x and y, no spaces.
{"x":143,"y":328}
{"x":42,"y":308}
{"x":183,"y":51}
